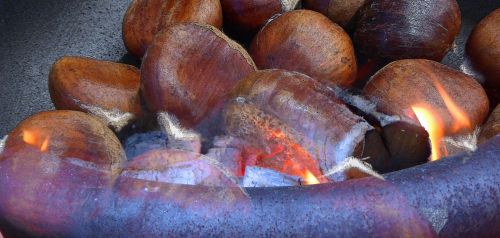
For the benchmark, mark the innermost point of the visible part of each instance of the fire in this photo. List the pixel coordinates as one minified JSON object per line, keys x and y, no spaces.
{"x":309,"y":178}
{"x":434,"y":126}
{"x":430,"y":120}
{"x":35,"y":139}
{"x":460,"y":119}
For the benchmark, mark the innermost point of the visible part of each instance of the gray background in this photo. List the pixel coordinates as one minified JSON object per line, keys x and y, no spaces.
{"x":34,"y":33}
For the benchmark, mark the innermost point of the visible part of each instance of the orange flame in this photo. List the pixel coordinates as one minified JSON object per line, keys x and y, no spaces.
{"x":35,"y":139}
{"x":460,"y":119}
{"x":430,"y":120}
{"x":309,"y":178}
{"x":434,"y":126}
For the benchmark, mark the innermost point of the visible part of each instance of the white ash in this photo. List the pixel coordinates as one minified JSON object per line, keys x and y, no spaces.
{"x":438,"y":217}
{"x":339,"y":172}
{"x":288,"y":5}
{"x":462,"y":143}
{"x":263,"y":177}
{"x":230,"y":158}
{"x":2,"y":143}
{"x":114,"y":118}
{"x":179,"y":137}
{"x":140,"y":143}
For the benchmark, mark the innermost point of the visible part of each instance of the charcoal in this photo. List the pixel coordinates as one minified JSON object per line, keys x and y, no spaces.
{"x":230,"y":158}
{"x":461,"y":143}
{"x":2,"y":143}
{"x":140,"y":143}
{"x":262,"y":177}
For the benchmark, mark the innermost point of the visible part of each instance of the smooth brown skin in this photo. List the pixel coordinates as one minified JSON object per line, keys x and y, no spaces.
{"x":71,"y":135}
{"x":77,"y":81}
{"x":244,"y":18}
{"x":389,"y":30}
{"x":492,"y":126}
{"x":484,"y":47}
{"x":190,"y":70}
{"x":406,"y":83}
{"x":145,"y":18}
{"x":339,"y":11}
{"x":289,"y":109}
{"x":307,"y":42}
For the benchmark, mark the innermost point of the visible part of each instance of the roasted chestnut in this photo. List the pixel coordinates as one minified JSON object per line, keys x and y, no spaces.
{"x":79,"y":84}
{"x":244,"y":18}
{"x":404,"y":84}
{"x":307,"y":42}
{"x":390,"y":30}
{"x":67,"y":135}
{"x":291,"y":117}
{"x":339,"y":11}
{"x":484,"y":47}
{"x":145,"y":18}
{"x":492,"y":126}
{"x":190,"y":69}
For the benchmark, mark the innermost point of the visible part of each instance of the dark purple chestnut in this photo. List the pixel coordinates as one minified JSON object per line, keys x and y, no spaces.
{"x":389,"y":30}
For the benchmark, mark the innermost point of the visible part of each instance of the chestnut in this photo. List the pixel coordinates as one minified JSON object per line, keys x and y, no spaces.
{"x":244,"y":18}
{"x":484,"y":47}
{"x":290,"y":117}
{"x":404,"y":84}
{"x":67,"y":135}
{"x":492,"y":126}
{"x":339,"y":11}
{"x":78,"y":83}
{"x":307,"y":42}
{"x":189,"y":71}
{"x":145,"y":18}
{"x":389,"y":30}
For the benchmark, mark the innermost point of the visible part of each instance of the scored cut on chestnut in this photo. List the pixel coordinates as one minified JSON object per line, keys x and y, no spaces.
{"x":189,"y":71}
{"x":66,"y":135}
{"x":403,"y":84}
{"x":244,"y":18}
{"x":145,"y":18}
{"x":339,"y":11}
{"x":388,"y":30}
{"x":484,"y":47}
{"x":78,"y":83}
{"x":307,"y":42}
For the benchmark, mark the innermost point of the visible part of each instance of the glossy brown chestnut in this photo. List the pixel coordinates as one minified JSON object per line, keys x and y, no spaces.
{"x":78,"y":83}
{"x":190,"y":69}
{"x":406,"y":83}
{"x":145,"y":18}
{"x":339,"y":11}
{"x":484,"y":47}
{"x":407,"y":29}
{"x":244,"y":18}
{"x":492,"y":126}
{"x":67,"y":135}
{"x":307,"y":42}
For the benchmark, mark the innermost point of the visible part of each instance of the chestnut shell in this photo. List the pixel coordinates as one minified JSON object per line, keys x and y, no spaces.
{"x":484,"y":47}
{"x":145,"y":18}
{"x":339,"y":11}
{"x":307,"y":42}
{"x":190,"y":69}
{"x":66,"y":135}
{"x":78,"y":81}
{"x":389,"y":30}
{"x":406,"y":83}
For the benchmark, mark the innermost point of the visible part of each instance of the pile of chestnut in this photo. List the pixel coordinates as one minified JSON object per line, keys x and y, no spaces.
{"x":258,"y":69}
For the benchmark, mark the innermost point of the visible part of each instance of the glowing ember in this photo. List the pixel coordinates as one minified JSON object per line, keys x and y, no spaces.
{"x":434,"y":127}
{"x":34,"y":139}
